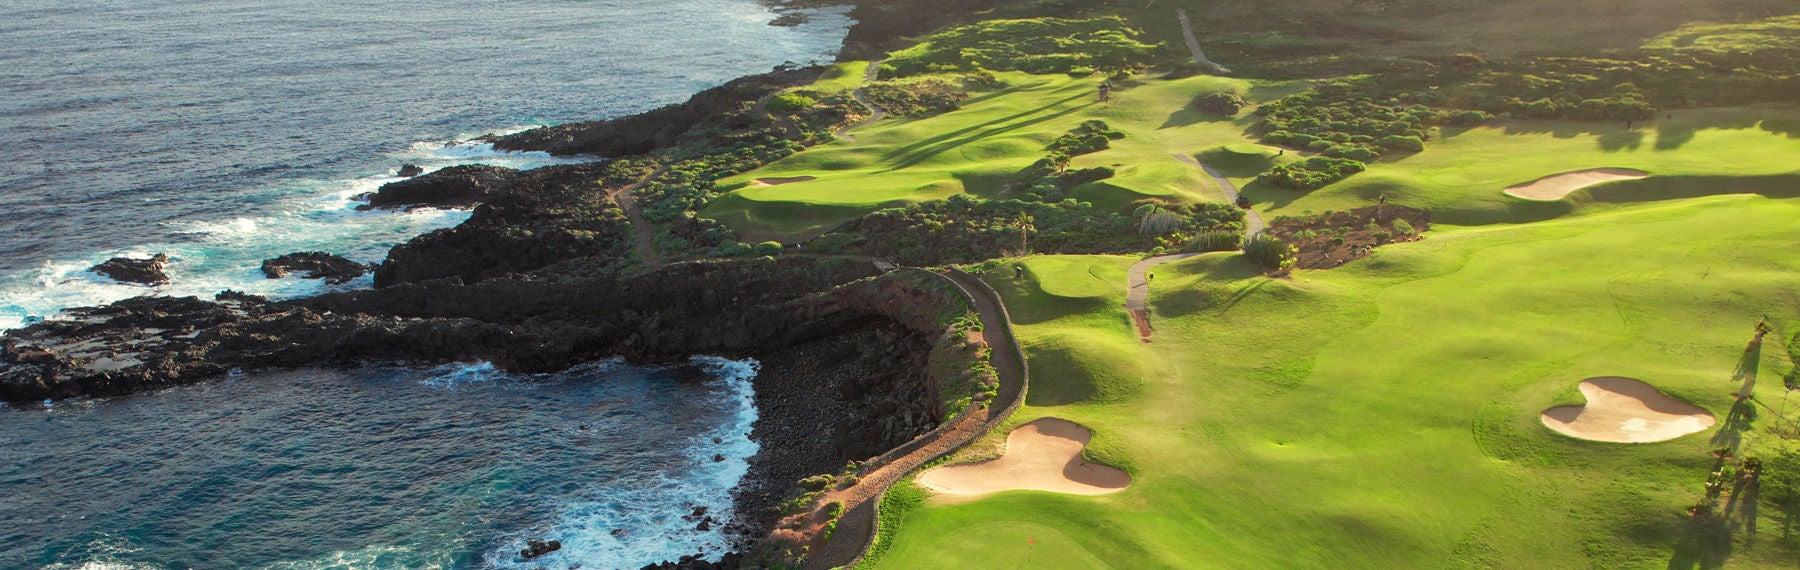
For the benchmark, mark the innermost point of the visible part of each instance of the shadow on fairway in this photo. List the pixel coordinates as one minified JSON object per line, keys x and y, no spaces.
{"x":923,"y":154}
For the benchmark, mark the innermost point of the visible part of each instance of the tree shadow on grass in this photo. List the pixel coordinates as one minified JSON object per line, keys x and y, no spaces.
{"x":1186,"y":116}
{"x":1704,"y":543}
{"x":924,"y":153}
{"x":936,"y":140}
{"x":1737,"y":421}
{"x":1621,"y":140}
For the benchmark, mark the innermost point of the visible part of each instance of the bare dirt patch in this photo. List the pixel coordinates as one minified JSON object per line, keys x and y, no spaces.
{"x":1558,"y":186}
{"x":1332,"y":239}
{"x":780,"y":181}
{"x":1044,"y":455}
{"x":1625,"y":410}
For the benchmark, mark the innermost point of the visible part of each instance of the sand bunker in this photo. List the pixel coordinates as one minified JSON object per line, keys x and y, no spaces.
{"x":1623,"y":410}
{"x":780,"y":181}
{"x":1557,"y":186}
{"x":1044,"y":455}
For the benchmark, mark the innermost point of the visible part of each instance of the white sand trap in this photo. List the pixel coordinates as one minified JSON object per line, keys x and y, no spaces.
{"x":1044,"y":455}
{"x":1623,"y":410}
{"x":1557,"y":186}
{"x":780,"y":181}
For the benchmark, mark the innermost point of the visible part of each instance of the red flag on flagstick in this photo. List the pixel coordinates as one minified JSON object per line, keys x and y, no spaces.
{"x":1032,"y":541}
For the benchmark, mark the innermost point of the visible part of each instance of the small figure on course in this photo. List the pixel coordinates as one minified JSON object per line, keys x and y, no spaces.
{"x":1106,"y":88}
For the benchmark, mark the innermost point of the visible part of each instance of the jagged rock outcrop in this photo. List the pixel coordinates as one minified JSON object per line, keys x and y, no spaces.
{"x":646,"y":132}
{"x":550,"y":215}
{"x":332,"y":268}
{"x":455,"y":187}
{"x":410,"y":170}
{"x":150,"y":271}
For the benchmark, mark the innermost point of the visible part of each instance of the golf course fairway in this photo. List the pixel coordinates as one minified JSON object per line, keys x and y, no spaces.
{"x":1385,"y":414}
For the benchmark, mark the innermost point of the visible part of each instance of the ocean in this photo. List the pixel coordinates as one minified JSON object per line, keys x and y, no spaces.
{"x":226,"y":132}
{"x":381,"y":467}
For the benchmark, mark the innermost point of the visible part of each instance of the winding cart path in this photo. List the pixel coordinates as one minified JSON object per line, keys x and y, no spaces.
{"x":644,"y":233}
{"x":875,"y":113}
{"x":857,"y":528}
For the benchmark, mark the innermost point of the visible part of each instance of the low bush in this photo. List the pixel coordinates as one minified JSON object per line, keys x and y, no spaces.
{"x":790,"y":103}
{"x":1270,"y":253}
{"x":1312,"y":173}
{"x":1215,"y":240}
{"x":921,"y":98}
{"x":1222,"y":103}
{"x":1403,"y":227}
{"x":1034,"y":45}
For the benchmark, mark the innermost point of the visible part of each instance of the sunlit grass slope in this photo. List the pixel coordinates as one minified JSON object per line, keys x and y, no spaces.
{"x":1385,"y":414}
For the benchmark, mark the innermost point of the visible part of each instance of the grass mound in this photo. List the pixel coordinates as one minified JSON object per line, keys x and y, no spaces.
{"x":1241,"y":160}
{"x":1078,"y":367}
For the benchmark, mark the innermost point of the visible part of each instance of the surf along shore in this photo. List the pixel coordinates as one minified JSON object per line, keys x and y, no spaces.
{"x":544,"y":276}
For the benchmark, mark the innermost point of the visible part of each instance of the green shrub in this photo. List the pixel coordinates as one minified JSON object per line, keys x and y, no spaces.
{"x":1403,"y":227}
{"x":916,"y":98}
{"x":1092,"y":136}
{"x":1035,"y":45}
{"x":791,"y":103}
{"x":833,"y":243}
{"x":815,"y":483}
{"x":1222,"y":103}
{"x":731,"y":249}
{"x":767,"y":248}
{"x":1382,"y":236}
{"x":1311,"y":173}
{"x":1403,"y":143}
{"x":1215,"y":240}
{"x":1270,"y":253}
{"x":1158,"y":223}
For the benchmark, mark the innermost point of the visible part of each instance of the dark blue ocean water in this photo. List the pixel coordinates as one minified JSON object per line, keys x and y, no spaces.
{"x":378,"y":468}
{"x":225,"y":132}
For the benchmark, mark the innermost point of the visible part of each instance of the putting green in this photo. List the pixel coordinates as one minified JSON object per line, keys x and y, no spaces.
{"x":1460,"y":175}
{"x":1386,"y":414}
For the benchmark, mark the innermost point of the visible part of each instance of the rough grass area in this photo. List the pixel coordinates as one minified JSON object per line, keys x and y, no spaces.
{"x":1384,"y":414}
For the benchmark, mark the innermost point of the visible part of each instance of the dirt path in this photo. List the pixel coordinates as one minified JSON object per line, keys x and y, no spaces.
{"x":875,"y":113}
{"x":1253,"y":222}
{"x":1193,"y":45}
{"x":1137,"y":280}
{"x":645,"y":233}
{"x":1137,"y":291}
{"x":857,"y":528}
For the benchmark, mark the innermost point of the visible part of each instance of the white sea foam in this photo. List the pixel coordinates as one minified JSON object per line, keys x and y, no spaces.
{"x":379,"y":556}
{"x":459,"y":375}
{"x":650,"y":514}
{"x":209,"y":256}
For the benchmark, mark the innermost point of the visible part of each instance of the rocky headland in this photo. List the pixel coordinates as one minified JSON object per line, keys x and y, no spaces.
{"x":543,"y":276}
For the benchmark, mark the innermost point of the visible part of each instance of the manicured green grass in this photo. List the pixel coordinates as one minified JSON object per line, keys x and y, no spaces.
{"x":1460,"y":176}
{"x":1385,"y":414}
{"x":977,"y":148}
{"x":839,"y":78}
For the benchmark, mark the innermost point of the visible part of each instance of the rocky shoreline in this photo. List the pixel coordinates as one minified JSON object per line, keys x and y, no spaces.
{"x":542,"y":277}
